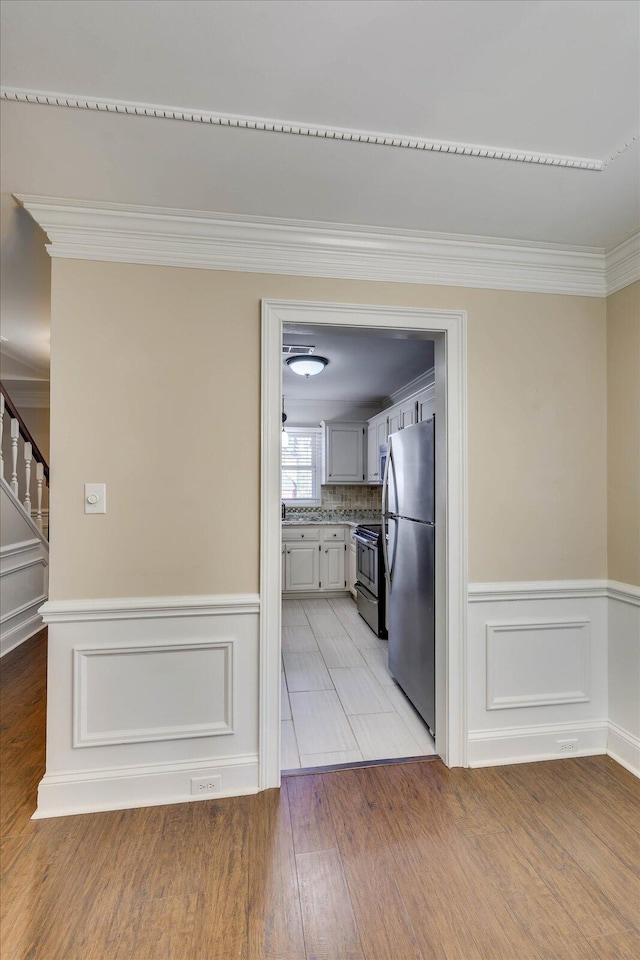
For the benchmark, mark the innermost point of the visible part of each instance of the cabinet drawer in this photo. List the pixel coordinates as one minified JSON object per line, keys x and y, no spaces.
{"x":333,"y":533}
{"x":300,"y":533}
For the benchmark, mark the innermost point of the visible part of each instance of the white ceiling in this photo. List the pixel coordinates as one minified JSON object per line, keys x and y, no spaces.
{"x":547,"y":76}
{"x":362,"y":367}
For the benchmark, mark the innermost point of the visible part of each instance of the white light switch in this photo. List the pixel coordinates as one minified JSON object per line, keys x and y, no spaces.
{"x":95,"y":498}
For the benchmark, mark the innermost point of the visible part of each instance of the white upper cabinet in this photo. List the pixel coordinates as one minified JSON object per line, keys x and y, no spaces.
{"x":415,"y":409}
{"x":408,"y":413}
{"x":372,"y":454}
{"x":395,"y":420}
{"x":344,"y":452}
{"x":426,"y":404}
{"x":376,"y":437}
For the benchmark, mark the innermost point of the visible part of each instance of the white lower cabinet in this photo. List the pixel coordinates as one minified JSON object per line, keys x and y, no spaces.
{"x":353,"y":568}
{"x":302,"y":567}
{"x":333,"y":575}
{"x":315,"y":559}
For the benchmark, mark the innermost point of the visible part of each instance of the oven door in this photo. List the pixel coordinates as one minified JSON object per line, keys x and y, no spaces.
{"x":367,"y":563}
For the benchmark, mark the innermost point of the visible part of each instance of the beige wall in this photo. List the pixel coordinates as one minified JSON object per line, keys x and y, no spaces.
{"x":623,"y":435}
{"x":156,"y":390}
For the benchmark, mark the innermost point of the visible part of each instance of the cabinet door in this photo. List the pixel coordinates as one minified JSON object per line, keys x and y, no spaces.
{"x":344,"y":452}
{"x":382,"y":434}
{"x":395,"y":420}
{"x":373,"y":465}
{"x":353,"y":568}
{"x":302,"y":566}
{"x":426,"y":404}
{"x":408,"y":413}
{"x":333,"y":577}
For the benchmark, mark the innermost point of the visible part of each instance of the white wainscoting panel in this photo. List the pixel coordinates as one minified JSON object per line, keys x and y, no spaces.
{"x":537,"y":671}
{"x":146,"y":693}
{"x":24,"y":569}
{"x":624,"y":676}
{"x":519,"y":655}
{"x":127,"y":694}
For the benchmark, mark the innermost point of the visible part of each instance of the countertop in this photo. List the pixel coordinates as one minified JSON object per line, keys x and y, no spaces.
{"x":296,"y":522}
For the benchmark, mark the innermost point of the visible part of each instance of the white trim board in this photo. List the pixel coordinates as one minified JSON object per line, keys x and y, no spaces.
{"x":123,"y":233}
{"x":144,"y":608}
{"x":300,"y":128}
{"x":449,"y":329}
{"x":153,"y":784}
{"x":553,"y":590}
{"x":624,"y":748}
{"x":527,"y":744}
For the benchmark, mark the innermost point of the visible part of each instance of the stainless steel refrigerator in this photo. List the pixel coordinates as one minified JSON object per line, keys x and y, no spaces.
{"x":409,"y":513}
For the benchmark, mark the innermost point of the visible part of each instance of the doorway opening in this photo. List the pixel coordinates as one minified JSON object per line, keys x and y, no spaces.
{"x":328,"y":695}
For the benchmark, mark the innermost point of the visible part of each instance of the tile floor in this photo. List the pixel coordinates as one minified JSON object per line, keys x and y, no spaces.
{"x":340,"y":704}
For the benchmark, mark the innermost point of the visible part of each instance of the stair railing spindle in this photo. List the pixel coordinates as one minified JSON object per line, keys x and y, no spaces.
{"x":15,"y":433}
{"x":28,"y":457}
{"x":39,"y":482}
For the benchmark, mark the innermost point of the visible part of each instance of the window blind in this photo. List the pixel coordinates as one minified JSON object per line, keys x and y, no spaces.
{"x":301,"y":465}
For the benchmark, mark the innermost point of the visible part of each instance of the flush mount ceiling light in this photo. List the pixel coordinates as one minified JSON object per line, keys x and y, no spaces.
{"x":306,"y":366}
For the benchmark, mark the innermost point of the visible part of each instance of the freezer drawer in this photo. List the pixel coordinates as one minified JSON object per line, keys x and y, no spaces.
{"x":411,"y":615}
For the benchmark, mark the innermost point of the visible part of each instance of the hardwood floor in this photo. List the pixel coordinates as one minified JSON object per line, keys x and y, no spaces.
{"x":410,"y":861}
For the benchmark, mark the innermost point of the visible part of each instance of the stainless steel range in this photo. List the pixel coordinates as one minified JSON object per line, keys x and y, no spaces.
{"x":370,"y":582}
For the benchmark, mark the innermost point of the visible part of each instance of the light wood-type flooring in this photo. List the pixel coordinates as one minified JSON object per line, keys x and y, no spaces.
{"x":409,"y":861}
{"x":340,"y":704}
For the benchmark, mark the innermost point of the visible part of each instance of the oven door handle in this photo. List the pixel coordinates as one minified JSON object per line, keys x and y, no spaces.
{"x":365,"y":541}
{"x":371,"y":597}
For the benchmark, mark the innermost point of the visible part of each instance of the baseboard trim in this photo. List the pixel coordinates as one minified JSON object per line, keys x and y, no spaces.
{"x":488,"y":748}
{"x":29,"y":624}
{"x":624,"y":748}
{"x":95,"y":791}
{"x":142,"y":608}
{"x":316,"y":595}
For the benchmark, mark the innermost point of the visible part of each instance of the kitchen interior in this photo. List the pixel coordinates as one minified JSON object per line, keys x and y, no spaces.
{"x":358,"y":546}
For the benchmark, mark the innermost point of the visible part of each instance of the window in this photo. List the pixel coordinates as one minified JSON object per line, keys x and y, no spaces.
{"x":301,"y":466}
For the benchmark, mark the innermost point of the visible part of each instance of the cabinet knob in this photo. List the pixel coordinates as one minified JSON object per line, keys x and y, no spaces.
{"x":302,"y":535}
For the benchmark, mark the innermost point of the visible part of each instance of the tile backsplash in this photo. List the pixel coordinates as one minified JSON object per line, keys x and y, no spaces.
{"x":338,"y":496}
{"x":341,"y":501}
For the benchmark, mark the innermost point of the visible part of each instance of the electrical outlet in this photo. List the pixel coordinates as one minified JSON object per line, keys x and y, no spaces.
{"x":567,"y":746}
{"x":201,"y":786}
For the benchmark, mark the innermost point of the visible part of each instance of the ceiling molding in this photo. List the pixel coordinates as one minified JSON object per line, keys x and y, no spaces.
{"x":417,"y":385}
{"x":29,"y":393}
{"x":305,"y":129}
{"x":83,"y":230}
{"x":623,"y":264}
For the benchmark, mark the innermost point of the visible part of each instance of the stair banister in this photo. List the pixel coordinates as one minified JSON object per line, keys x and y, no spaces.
{"x":31,"y":454}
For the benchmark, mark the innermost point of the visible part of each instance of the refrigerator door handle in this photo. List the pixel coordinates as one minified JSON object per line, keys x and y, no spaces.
{"x":385,"y":510}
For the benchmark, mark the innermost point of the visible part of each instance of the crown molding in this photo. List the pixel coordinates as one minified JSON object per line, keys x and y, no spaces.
{"x":29,"y":393}
{"x":123,"y":233}
{"x":623,"y":264}
{"x":417,"y":385}
{"x":304,"y":129}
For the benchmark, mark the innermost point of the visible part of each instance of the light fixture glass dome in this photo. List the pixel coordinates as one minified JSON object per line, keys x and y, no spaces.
{"x":307,"y":366}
